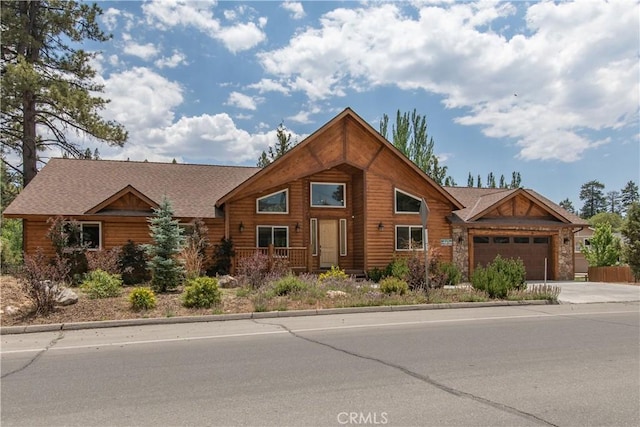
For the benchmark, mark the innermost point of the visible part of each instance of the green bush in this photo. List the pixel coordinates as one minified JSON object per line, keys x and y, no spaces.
{"x":100,"y":284}
{"x":447,"y":274}
{"x":201,"y":292}
{"x":398,"y":268}
{"x":336,"y":273}
{"x":393,"y":285}
{"x":375,"y":274}
{"x":142,"y":299}
{"x":288,"y":285}
{"x":500,"y":276}
{"x":133,"y":264}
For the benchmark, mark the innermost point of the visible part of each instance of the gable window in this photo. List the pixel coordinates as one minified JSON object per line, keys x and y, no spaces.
{"x":273,"y":203}
{"x":409,"y":238}
{"x":272,"y":235}
{"x":407,"y":203}
{"x":87,"y":234}
{"x":327,"y":195}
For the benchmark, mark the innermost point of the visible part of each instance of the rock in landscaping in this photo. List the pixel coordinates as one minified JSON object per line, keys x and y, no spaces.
{"x":227,"y":281}
{"x":10,"y":310}
{"x":66,"y":297}
{"x":336,"y":294}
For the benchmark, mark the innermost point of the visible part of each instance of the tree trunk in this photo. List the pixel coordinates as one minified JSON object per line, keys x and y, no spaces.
{"x":31,"y":54}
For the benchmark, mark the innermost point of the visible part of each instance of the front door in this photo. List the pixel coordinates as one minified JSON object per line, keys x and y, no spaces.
{"x":328,"y":242}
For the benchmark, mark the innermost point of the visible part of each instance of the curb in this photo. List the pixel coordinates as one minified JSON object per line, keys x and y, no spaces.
{"x":25,"y":329}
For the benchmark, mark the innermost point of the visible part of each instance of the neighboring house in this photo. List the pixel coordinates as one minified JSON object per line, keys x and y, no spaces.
{"x":344,"y":196}
{"x":582,"y":238}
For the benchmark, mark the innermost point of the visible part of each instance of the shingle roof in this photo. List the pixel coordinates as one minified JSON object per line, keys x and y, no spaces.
{"x":477,"y":200}
{"x":73,"y":187}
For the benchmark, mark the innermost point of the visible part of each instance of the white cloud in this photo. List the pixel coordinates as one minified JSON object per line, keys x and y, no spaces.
{"x":110,"y":18}
{"x":165,"y":14}
{"x":296,"y":9}
{"x":572,"y":59}
{"x":172,"y":61}
{"x":144,"y":51}
{"x":237,"y":99}
{"x":269,"y":85}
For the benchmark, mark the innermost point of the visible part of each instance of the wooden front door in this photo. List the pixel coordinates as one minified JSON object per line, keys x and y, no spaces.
{"x":328,"y":231}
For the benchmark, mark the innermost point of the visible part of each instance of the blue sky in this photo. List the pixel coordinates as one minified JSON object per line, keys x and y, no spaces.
{"x":550,"y":90}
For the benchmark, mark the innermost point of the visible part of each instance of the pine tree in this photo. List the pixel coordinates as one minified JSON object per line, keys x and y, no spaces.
{"x":282,"y":146}
{"x":470,"y":180}
{"x":567,"y":205}
{"x":628,"y":195}
{"x":594,"y":201}
{"x":166,"y":270}
{"x":631,"y":233}
{"x":479,"y":183}
{"x":516,"y":180}
{"x":47,"y":80}
{"x":503,"y":182}
{"x":613,"y":201}
{"x":491,"y":180}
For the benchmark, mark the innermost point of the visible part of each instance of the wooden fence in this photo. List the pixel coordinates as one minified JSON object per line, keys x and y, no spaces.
{"x":295,"y":258}
{"x":618,"y":274}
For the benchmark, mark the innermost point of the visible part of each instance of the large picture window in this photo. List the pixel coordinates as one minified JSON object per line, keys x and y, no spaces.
{"x":273,"y":235}
{"x":409,"y":238}
{"x":328,"y":195}
{"x":273,"y":203}
{"x":407,"y":203}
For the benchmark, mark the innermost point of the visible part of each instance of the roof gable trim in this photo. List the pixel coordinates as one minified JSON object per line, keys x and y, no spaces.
{"x":128,"y":190}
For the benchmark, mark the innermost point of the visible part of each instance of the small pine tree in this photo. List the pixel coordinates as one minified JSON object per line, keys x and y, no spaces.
{"x":166,"y":270}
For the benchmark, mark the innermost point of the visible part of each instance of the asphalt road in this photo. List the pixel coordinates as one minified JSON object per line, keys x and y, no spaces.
{"x":564,"y":365}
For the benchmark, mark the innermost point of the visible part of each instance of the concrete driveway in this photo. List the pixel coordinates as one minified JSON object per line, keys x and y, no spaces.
{"x":588,"y":292}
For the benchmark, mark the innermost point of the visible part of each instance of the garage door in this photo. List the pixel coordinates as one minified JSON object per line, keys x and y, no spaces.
{"x":531,"y":250}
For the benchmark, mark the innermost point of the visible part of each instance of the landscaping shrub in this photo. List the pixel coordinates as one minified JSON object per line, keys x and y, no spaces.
{"x":398,"y":268}
{"x":142,"y":299}
{"x":201,"y":292}
{"x":499,"y":277}
{"x":133,"y":264}
{"x":65,"y":238}
{"x":104,"y":260}
{"x":100,"y":284}
{"x":335,"y":274}
{"x":393,"y":285}
{"x":288,"y":285}
{"x":254,"y":270}
{"x":415,"y":273}
{"x":41,"y":280}
{"x":443,"y":274}
{"x":375,"y":274}
{"x":223,"y":253}
{"x":194,"y":252}
{"x":535,"y":292}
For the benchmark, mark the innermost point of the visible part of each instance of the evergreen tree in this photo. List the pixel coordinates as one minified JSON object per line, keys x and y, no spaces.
{"x":631,"y":233}
{"x":491,"y":180}
{"x":166,"y":271}
{"x":516,"y":180}
{"x":628,"y":195}
{"x":591,"y":193}
{"x":282,"y":146}
{"x":503,"y":182}
{"x":567,"y":205}
{"x":470,"y":180}
{"x":479,"y":183}
{"x":613,"y":202}
{"x":450,"y":182}
{"x":47,"y":80}
{"x":409,"y":135}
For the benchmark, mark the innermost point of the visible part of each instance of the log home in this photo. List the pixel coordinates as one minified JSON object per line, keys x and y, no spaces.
{"x":343,"y":197}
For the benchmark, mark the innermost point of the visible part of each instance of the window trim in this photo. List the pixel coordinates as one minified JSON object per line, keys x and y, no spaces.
{"x":409,"y":226}
{"x":313,"y":236}
{"x":286,"y":227}
{"x":286,"y":212}
{"x":344,"y":195}
{"x":343,"y":237}
{"x":81,"y":224}
{"x":395,"y":202}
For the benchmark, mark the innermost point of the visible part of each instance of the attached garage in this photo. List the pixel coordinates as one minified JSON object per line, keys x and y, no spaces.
{"x":534,"y":251}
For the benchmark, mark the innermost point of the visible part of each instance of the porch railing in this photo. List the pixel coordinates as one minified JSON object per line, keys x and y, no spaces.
{"x":297,"y":259}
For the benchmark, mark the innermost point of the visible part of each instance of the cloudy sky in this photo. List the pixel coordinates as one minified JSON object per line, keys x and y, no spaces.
{"x":550,"y":90}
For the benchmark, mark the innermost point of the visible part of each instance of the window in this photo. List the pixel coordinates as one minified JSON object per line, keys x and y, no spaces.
{"x":406,"y":203}
{"x":343,"y":237}
{"x":500,"y":239}
{"x":480,"y":239}
{"x":585,"y":242}
{"x":88,"y":234}
{"x":314,"y":236}
{"x":273,"y":203}
{"x":520,"y":240}
{"x":543,"y":240}
{"x":273,"y":235}
{"x":409,"y":237}
{"x":327,"y":195}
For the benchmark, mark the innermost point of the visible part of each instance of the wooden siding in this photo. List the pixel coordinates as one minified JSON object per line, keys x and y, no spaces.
{"x":519,"y":206}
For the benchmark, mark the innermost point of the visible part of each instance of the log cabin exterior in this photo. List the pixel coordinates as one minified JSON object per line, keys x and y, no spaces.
{"x":344,"y":196}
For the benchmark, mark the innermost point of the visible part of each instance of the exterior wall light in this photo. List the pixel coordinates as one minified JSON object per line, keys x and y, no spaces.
{"x":380,"y":226}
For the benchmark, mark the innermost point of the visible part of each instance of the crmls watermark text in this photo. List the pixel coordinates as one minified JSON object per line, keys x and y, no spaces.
{"x":363,"y":418}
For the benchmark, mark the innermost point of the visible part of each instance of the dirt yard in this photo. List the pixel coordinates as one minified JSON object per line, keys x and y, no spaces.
{"x":168,"y":305}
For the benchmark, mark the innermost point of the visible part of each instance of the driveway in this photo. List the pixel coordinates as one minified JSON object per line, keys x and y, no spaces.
{"x":589,"y":292}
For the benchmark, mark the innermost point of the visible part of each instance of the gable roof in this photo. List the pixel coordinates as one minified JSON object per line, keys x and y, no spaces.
{"x":79,"y":187}
{"x":479,"y":201}
{"x":338,"y":122}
